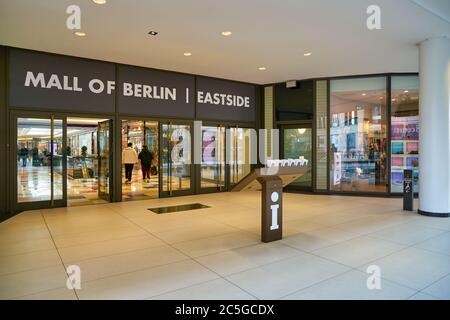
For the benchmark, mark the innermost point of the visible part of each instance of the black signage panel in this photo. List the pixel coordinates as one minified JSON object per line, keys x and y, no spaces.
{"x":155,"y":93}
{"x":225,"y":100}
{"x":47,"y":81}
{"x":408,"y":190}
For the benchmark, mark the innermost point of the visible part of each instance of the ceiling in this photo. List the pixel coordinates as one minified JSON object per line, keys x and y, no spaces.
{"x":269,"y":33}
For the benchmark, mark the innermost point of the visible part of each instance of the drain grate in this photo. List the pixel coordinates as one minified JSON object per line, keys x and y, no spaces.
{"x":180,"y":207}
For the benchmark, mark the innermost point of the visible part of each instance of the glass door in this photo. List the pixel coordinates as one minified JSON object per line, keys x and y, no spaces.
{"x":175,"y":164}
{"x":239,"y":160}
{"x":297,"y":143}
{"x":104,"y":143}
{"x":212,"y":167}
{"x":40,"y":162}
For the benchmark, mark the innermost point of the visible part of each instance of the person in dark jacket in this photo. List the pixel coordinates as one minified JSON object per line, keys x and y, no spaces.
{"x":146,"y":158}
{"x":23,"y":154}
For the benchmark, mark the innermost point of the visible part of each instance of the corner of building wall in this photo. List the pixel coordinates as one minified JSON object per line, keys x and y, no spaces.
{"x":4,"y":210}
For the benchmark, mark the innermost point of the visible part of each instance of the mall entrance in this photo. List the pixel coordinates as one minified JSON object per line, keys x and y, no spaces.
{"x":61,"y":161}
{"x":140,"y":159}
{"x":64,"y":160}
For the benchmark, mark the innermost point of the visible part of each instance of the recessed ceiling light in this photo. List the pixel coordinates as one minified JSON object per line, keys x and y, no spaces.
{"x":152,"y":33}
{"x":393,"y":100}
{"x":226,"y":33}
{"x":187,"y":54}
{"x":307,"y":54}
{"x":99,"y":1}
{"x":262,"y":68}
{"x":80,"y":34}
{"x":406,"y":91}
{"x":364,"y":94}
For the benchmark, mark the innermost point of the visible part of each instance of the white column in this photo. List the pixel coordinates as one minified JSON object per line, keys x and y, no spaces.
{"x":434,"y":114}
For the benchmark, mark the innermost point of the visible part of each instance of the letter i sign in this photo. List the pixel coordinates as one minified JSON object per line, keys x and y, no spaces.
{"x":274,"y":210}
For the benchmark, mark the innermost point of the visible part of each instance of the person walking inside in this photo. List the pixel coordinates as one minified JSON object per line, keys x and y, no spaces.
{"x":23,"y":153}
{"x":146,"y":157}
{"x":129,"y":158}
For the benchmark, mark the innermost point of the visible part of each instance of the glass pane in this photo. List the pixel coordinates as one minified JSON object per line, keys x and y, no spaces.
{"x":34,"y":160}
{"x":358,"y":135}
{"x":240,"y":162}
{"x":298,"y":143}
{"x":176,"y":157}
{"x":57,"y":152}
{"x":139,"y":160}
{"x":87,"y":165}
{"x":404,"y":130}
{"x":104,"y":159}
{"x":213,"y":157}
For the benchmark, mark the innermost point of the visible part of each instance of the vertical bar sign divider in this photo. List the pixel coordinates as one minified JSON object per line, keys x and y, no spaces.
{"x":52,"y":132}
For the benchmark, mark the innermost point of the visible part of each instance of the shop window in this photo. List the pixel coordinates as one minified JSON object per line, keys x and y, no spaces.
{"x":404,"y":130}
{"x":358,"y":135}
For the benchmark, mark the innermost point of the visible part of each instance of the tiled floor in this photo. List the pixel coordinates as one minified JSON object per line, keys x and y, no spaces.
{"x":128,"y":252}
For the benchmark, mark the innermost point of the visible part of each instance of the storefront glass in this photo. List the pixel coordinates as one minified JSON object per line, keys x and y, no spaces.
{"x":175,"y":158}
{"x":240,"y":154}
{"x":297,"y":143}
{"x":212,"y":172}
{"x":87,"y":170}
{"x":404,"y":130}
{"x":39,"y":160}
{"x":358,"y":135}
{"x":139,"y":175}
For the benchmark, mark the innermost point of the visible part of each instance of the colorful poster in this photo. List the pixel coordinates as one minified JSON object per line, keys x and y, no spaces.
{"x":405,"y":128}
{"x":412,"y":147}
{"x":397,"y":161}
{"x":397,"y":148}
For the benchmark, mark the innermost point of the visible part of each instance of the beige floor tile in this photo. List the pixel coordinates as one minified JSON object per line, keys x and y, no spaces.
{"x":219,"y":289}
{"x":54,"y":294}
{"x":358,"y":251}
{"x":33,"y":281}
{"x":27,"y":246}
{"x":414,"y":268}
{"x":147,"y":283}
{"x":281,"y":278}
{"x":11,"y":236}
{"x":422,"y":296}
{"x":106,"y":248}
{"x":198,"y":232}
{"x":440,"y":243}
{"x":201,"y":247}
{"x":319,"y":238}
{"x":27,"y":216}
{"x":97,"y":268}
{"x":108,"y":233}
{"x":240,"y":259}
{"x":440,"y":289}
{"x":352,"y":285}
{"x":29,"y":261}
{"x":407,"y":234}
{"x":299,"y":226}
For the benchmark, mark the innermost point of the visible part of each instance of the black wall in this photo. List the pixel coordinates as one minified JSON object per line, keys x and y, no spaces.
{"x":3,"y":134}
{"x":294,"y":103}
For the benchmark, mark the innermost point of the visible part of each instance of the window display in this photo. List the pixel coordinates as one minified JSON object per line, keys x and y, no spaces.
{"x":404,"y":130}
{"x":358,"y":135}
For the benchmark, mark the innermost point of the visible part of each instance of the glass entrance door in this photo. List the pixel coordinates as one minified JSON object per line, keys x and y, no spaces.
{"x":176,"y":165}
{"x":104,"y":159}
{"x":212,"y":167}
{"x":40,"y":162}
{"x":297,"y":143}
{"x":239,"y":143}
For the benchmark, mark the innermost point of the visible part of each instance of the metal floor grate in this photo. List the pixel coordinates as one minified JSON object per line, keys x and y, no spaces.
{"x":177,"y":208}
